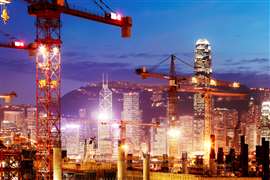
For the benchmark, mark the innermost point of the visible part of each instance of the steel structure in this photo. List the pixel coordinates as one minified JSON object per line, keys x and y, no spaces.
{"x":10,"y":166}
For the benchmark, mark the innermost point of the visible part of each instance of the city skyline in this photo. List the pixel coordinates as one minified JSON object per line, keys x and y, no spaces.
{"x":237,"y":53}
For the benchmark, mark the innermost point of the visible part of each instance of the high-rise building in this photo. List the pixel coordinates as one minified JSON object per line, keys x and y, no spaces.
{"x":265,"y":120}
{"x":71,"y":140}
{"x":158,"y":139}
{"x":203,"y":72}
{"x":104,"y":120}
{"x":185,"y":144}
{"x":131,"y":112}
{"x":17,"y":118}
{"x":31,"y":122}
{"x":223,"y":125}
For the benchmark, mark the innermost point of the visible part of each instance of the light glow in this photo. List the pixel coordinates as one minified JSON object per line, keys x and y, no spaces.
{"x":116,"y":16}
{"x":174,"y":132}
{"x":124,"y":147}
{"x":18,"y":43}
{"x":213,"y":82}
{"x":55,"y":51}
{"x":207,"y":145}
{"x":42,"y":50}
{"x":236,"y":85}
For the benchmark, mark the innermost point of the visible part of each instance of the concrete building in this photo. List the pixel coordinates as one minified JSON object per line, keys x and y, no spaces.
{"x":131,"y":112}
{"x":104,"y":119}
{"x":202,"y":71}
{"x":223,"y":125}
{"x":265,"y":120}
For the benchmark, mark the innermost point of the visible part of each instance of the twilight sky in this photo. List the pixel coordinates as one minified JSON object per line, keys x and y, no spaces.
{"x":238,"y":31}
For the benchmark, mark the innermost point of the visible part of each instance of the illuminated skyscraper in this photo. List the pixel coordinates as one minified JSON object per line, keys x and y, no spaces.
{"x":265,"y":120}
{"x":223,"y":124}
{"x":203,"y":71}
{"x":158,"y":143}
{"x":71,"y":140}
{"x":131,"y":112}
{"x":104,"y":119}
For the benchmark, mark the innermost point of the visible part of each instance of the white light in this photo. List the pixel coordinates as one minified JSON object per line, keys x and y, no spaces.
{"x":42,"y":50}
{"x":103,"y":116}
{"x":116,"y":16}
{"x":55,"y":50}
{"x":174,"y":132}
{"x":71,"y":126}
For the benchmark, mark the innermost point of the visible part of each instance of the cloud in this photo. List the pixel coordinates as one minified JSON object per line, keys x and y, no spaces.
{"x":231,"y":62}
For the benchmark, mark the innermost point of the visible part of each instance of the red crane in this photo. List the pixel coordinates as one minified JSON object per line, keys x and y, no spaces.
{"x":188,"y":84}
{"x":48,"y":77}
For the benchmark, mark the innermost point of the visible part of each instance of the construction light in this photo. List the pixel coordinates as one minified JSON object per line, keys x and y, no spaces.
{"x":174,"y":132}
{"x":5,"y":1}
{"x":42,"y":50}
{"x":213,"y":82}
{"x":194,"y":80}
{"x":207,"y":145}
{"x":55,"y":51}
{"x":116,"y":16}
{"x":124,"y":147}
{"x":19,"y":44}
{"x":236,"y":85}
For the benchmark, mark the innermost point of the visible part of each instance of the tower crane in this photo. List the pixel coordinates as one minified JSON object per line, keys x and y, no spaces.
{"x":48,"y":78}
{"x":189,"y":84}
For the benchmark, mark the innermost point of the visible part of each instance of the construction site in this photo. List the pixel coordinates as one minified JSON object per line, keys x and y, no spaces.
{"x":39,"y":151}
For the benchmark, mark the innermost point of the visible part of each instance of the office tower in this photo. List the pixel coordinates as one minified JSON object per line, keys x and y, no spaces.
{"x":104,"y":120}
{"x":31,"y":122}
{"x":71,"y":140}
{"x":131,"y":112}
{"x":203,"y":72}
{"x":265,"y":120}
{"x":223,"y":125}
{"x":16,"y":117}
{"x":158,"y":138}
{"x":185,"y":144}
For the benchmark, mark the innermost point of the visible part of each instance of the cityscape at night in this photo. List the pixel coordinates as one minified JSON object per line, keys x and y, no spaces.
{"x":134,"y":90}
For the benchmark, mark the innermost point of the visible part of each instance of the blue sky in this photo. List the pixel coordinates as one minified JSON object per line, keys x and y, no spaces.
{"x":238,"y":31}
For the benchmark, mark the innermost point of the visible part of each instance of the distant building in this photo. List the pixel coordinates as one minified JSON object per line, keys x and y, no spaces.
{"x":203,"y":71}
{"x":104,"y":119}
{"x":31,"y":122}
{"x":16,"y":117}
{"x":131,"y":112}
{"x":158,"y":138}
{"x":265,"y":120}
{"x":71,"y":140}
{"x":185,"y":144}
{"x":223,"y":126}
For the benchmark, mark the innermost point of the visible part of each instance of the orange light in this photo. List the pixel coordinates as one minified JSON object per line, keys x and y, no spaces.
{"x":213,"y":82}
{"x":236,"y":85}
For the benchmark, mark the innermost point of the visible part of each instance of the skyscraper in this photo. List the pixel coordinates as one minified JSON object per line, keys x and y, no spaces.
{"x":131,"y":112}
{"x":223,"y":124}
{"x":158,"y":141}
{"x":265,"y":120}
{"x":203,"y":72}
{"x":104,"y":119}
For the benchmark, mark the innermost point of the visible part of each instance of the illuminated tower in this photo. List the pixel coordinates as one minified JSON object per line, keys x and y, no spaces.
{"x":105,"y":116}
{"x":131,"y":112}
{"x":265,"y":121}
{"x":203,"y":71}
